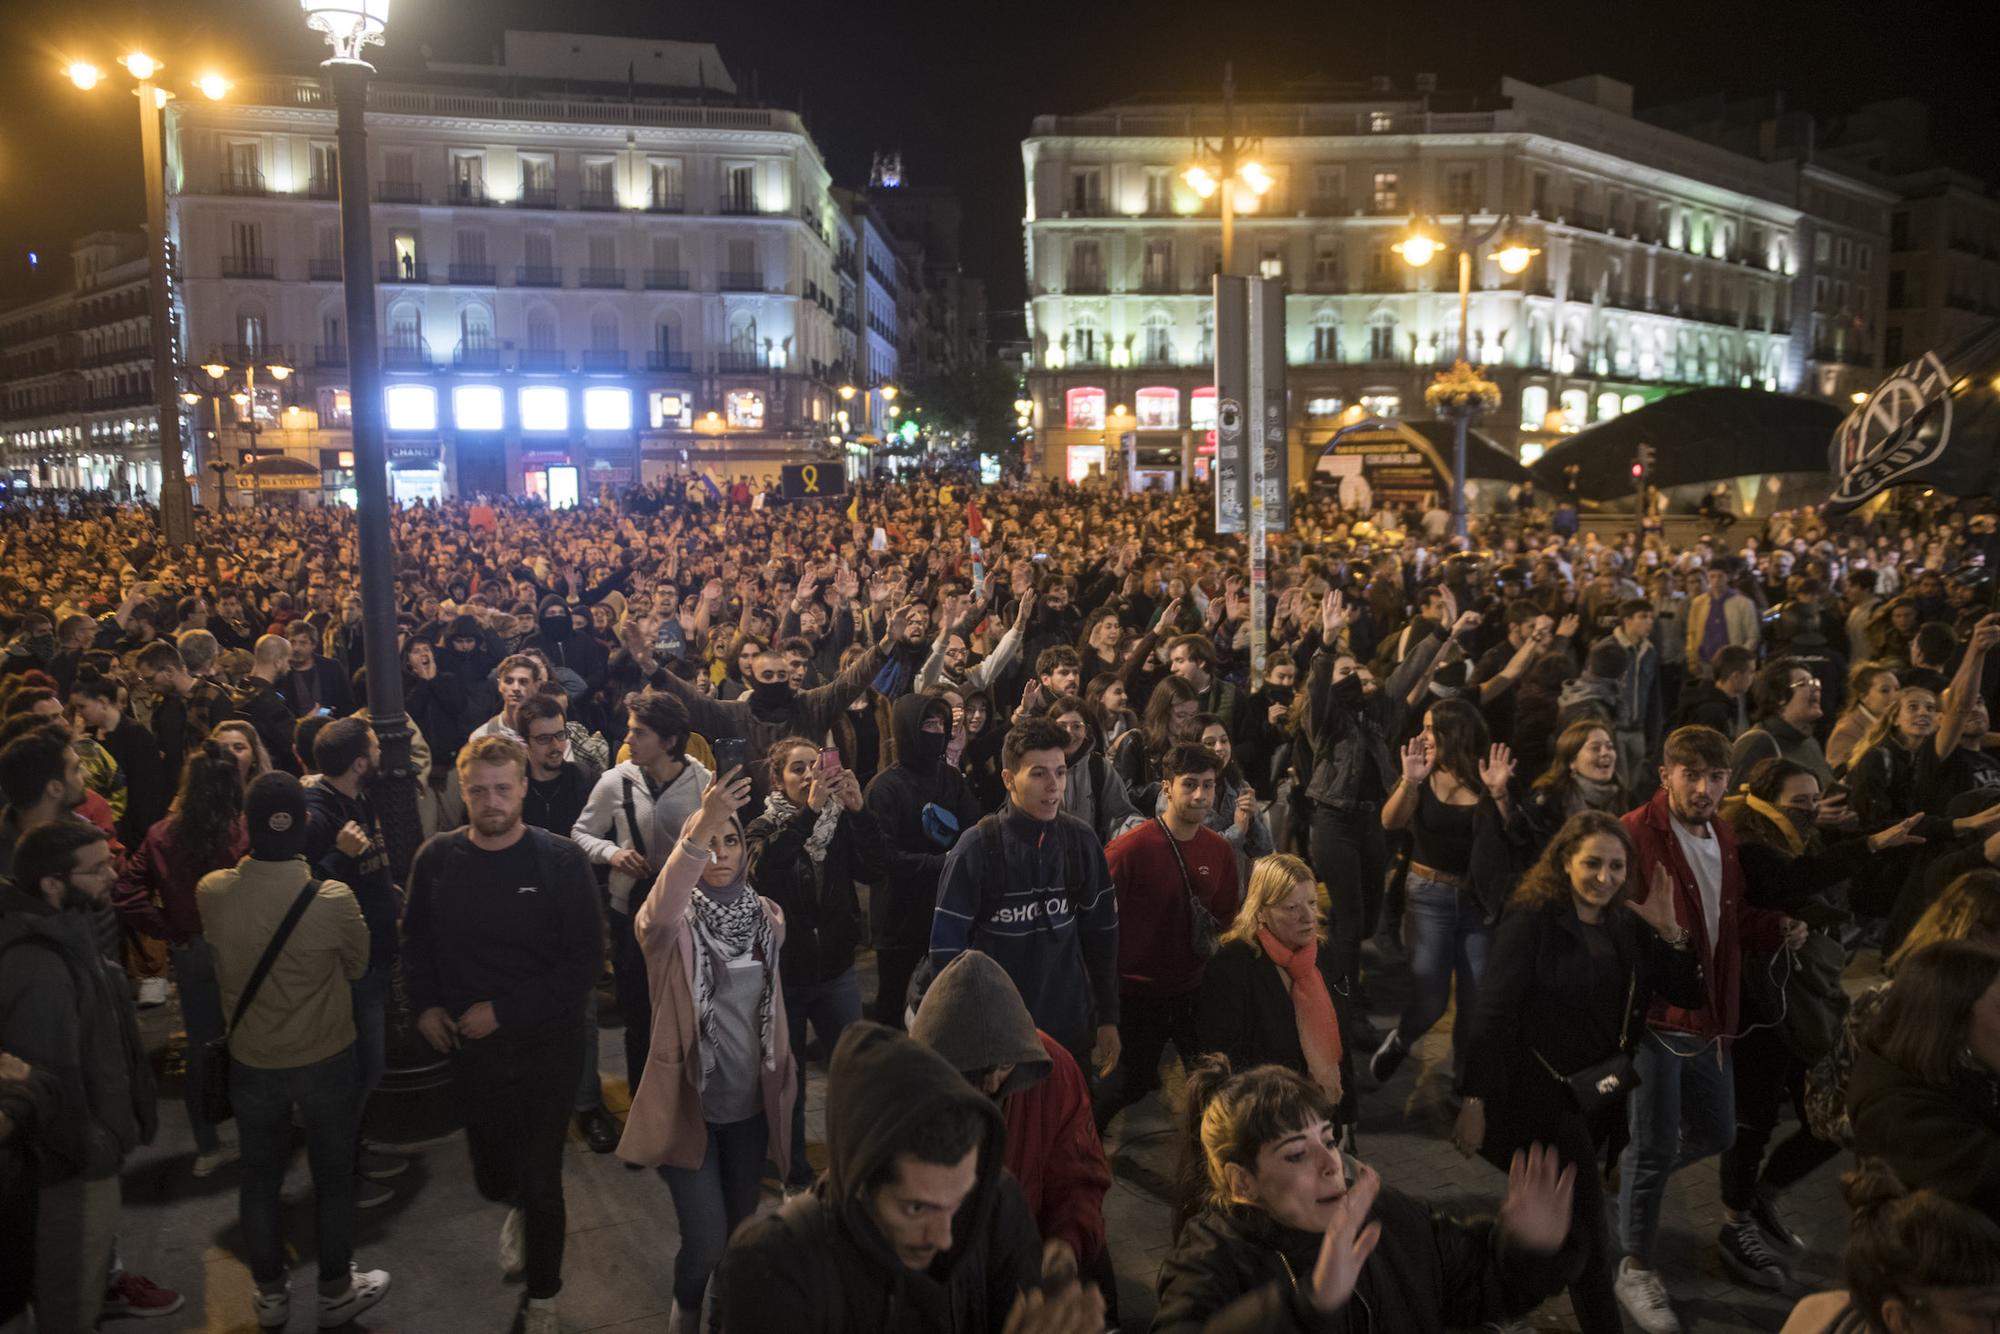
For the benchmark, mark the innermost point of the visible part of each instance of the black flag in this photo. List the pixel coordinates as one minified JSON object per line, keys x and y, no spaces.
{"x":1934,"y":422}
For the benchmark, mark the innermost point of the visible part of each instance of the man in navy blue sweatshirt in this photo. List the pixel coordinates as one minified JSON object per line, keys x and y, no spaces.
{"x":1029,"y":887}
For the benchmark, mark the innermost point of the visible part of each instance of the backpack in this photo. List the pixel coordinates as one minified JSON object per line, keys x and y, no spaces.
{"x":1826,"y":1080}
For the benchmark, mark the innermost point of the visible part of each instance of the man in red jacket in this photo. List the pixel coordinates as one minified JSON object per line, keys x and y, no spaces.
{"x":973,"y":1016}
{"x":1685,"y":1106}
{"x":1161,"y":869}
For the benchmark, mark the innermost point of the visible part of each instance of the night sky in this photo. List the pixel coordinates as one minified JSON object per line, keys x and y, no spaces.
{"x":954,"y":86}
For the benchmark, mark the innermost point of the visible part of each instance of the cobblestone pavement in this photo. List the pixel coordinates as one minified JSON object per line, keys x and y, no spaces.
{"x":439,"y":1239}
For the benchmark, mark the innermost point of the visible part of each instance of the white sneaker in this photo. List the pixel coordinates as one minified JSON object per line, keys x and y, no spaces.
{"x":364,"y":1289}
{"x":208,"y":1164}
{"x":152,"y":992}
{"x":1645,"y":1299}
{"x":273,"y":1308}
{"x":539,"y":1319}
{"x":513,"y":1244}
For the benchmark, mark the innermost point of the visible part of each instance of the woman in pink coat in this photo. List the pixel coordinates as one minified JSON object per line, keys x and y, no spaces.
{"x":716,"y":1097}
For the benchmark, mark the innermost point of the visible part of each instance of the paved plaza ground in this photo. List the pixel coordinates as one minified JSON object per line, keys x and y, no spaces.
{"x":438,"y":1238}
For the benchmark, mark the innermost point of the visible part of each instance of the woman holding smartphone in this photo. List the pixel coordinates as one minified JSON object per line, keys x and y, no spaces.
{"x":814,"y":840}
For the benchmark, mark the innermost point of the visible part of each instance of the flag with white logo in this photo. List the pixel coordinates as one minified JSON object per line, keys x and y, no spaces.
{"x":1934,"y":422}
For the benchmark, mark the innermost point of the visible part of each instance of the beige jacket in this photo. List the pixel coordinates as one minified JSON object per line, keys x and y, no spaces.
{"x":303,"y":1013}
{"x":1739,"y":615}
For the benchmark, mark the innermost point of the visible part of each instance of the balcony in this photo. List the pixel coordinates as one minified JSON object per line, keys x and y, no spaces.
{"x":666,"y":280}
{"x":1327,"y":285}
{"x":536,"y":275}
{"x":330,"y":358}
{"x":730,"y":362}
{"x":398,"y":192}
{"x":242,"y":183}
{"x":602,"y":360}
{"x":249,"y":266}
{"x":470,"y":275}
{"x":536,"y":196}
{"x":406,"y":271}
{"x":406,"y":354}
{"x":730,"y":280}
{"x":541,"y":361}
{"x":1090,"y":207}
{"x":661,"y":360}
{"x":598,"y":201}
{"x":470,"y":193}
{"x":1153,"y":284}
{"x":667,"y":202}
{"x":478,"y":356}
{"x":110,"y":356}
{"x":325,"y":270}
{"x":593,"y":277}
{"x":1588,"y":222}
{"x":323,"y":187}
{"x":738,"y":205}
{"x":243,"y":354}
{"x":1085,"y":284}
{"x":1326,"y":206}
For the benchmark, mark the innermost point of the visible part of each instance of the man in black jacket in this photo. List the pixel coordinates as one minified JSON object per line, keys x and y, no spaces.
{"x":813,"y":841}
{"x":914,"y":1226}
{"x":922,"y":805}
{"x":263,"y":707}
{"x":313,"y":682}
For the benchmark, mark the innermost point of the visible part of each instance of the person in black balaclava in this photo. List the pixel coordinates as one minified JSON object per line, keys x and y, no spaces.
{"x":921,"y":804}
{"x":468,"y":654}
{"x":569,"y":650}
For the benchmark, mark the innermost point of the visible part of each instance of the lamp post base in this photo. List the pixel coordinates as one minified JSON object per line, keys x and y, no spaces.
{"x":176,"y":512}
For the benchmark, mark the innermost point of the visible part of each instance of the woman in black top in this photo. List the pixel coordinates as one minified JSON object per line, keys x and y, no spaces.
{"x":1570,"y":979}
{"x":1582,"y":777}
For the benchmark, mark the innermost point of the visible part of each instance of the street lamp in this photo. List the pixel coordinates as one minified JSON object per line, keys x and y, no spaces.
{"x":176,"y":501}
{"x":1220,"y":168}
{"x":1513,"y":252}
{"x":350,"y":27}
{"x":245,"y":400}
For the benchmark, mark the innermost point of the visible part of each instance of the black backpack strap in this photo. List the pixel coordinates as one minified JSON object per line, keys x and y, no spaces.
{"x":272,"y":950}
{"x":632,"y":824}
{"x":993,"y":857}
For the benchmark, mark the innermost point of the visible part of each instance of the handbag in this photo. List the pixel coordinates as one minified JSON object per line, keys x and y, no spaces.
{"x":215,"y":1104}
{"x":1605,"y":1081}
{"x":1206,"y":936}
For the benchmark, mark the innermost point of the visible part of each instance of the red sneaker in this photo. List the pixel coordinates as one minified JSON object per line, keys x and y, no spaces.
{"x":135,"y":1295}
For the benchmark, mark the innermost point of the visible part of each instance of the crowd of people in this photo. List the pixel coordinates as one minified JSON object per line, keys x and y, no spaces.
{"x":1628,"y":811}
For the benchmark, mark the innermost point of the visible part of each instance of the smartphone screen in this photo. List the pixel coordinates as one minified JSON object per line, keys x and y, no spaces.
{"x":829,"y":762}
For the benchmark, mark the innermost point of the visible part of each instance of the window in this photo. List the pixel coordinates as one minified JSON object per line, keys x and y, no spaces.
{"x":468,"y":178}
{"x":743,"y":335}
{"x":1085,"y":409}
{"x":663,"y":183}
{"x":1321,"y":408}
{"x":479,"y":407}
{"x":541,"y":331}
{"x":667,"y":253}
{"x":1330,"y":187}
{"x":744,"y":409}
{"x":1326,"y":336}
{"x":743,"y":259}
{"x":1271,"y":260}
{"x":406,"y":327}
{"x":1534,"y":407}
{"x":1461,"y":189}
{"x":246,"y":240}
{"x":410,"y":407}
{"x":326,"y":243}
{"x":1380,"y":122}
{"x":1864,"y":255}
{"x":468,"y":248}
{"x":250,"y":331}
{"x":596,"y":179}
{"x":1086,"y":267}
{"x":604,"y":332}
{"x":1157,"y":347}
{"x":1157,"y":409}
{"x":1388,"y":193}
{"x":669,"y":408}
{"x":538,"y":177}
{"x":1538,"y":194}
{"x":1892,"y":347}
{"x":603,"y":252}
{"x":336,"y":407}
{"x":244,"y":162}
{"x":739,"y":191}
{"x":1086,"y":341}
{"x":1380,"y":404}
{"x":1382,"y":337}
{"x":1201,"y":408}
{"x":1205,"y":335}
{"x":399,"y":167}
{"x":1843,"y":252}
{"x":1159,"y":190}
{"x":667,"y":335}
{"x":1157,"y":269}
{"x":544,"y":407}
{"x":475,"y":329}
{"x":606,"y":408}
{"x":1086,"y":192}
{"x":1821,"y":244}
{"x":538,"y":249}
{"x":1326,"y":259}
{"x":324,"y":178}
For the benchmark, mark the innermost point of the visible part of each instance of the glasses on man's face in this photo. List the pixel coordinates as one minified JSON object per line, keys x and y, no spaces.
{"x":1804,"y":682}
{"x":546,"y":738}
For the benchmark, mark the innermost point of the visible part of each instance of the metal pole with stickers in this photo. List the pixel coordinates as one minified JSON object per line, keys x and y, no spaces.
{"x":1252,"y":457}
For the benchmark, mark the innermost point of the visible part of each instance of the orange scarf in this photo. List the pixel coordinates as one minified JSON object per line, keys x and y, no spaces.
{"x":1312,"y":1007}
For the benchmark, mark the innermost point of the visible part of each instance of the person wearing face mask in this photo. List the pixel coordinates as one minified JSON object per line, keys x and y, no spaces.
{"x":718,"y":1091}
{"x":1285,"y":1240}
{"x":1683,"y":1110}
{"x":1577,"y":959}
{"x":571,"y":652}
{"x":921,"y":805}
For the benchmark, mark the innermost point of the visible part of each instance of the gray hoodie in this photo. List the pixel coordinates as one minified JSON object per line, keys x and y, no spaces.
{"x":973,"y":1016}
{"x":623,"y":796}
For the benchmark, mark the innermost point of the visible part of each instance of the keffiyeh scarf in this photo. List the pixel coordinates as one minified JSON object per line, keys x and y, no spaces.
{"x":817,"y":842}
{"x":726,"y":929}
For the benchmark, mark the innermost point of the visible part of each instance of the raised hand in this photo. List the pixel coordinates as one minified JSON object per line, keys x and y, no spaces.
{"x":1896,"y":835}
{"x":1350,"y":1239}
{"x":1657,"y":908}
{"x":1496,"y":770}
{"x":1418,"y":760}
{"x":1024,"y":609}
{"x":1333,"y":615}
{"x":1567,"y":626}
{"x":1535,"y":1214}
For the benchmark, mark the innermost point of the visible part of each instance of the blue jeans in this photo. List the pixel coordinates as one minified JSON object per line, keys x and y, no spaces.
{"x":829,"y":1006}
{"x":324,"y":1094}
{"x":1449,"y":942}
{"x":712,"y":1200}
{"x":201,"y":1012}
{"x":1683,"y":1110}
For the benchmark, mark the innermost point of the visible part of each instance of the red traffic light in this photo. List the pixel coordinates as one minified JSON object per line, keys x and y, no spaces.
{"x":1638,"y":470}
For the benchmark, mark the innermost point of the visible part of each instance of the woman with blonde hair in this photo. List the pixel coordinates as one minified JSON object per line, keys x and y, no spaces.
{"x":240,"y":739}
{"x":1871,"y":689}
{"x":1263,"y":999}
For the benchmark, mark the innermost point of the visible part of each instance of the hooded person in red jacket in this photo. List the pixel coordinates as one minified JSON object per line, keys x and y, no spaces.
{"x":974,"y":1018}
{"x":1684,"y":1108}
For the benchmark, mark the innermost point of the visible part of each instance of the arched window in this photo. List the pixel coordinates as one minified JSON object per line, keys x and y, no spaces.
{"x":1084,"y":409}
{"x":1086,"y":340}
{"x":251,"y":330}
{"x":1326,"y":336}
{"x":1205,"y":337}
{"x":1608,"y":406}
{"x":406,"y":325}
{"x":1534,"y":407}
{"x":542,"y":330}
{"x":667,"y":333}
{"x":1157,"y":339}
{"x":475,"y":328}
{"x":604,"y":333}
{"x":743,"y":334}
{"x":1382,"y":336}
{"x":1157,"y":408}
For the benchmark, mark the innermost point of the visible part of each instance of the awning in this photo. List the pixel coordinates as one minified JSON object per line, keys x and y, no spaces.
{"x":1702,"y":436}
{"x":278,"y":473}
